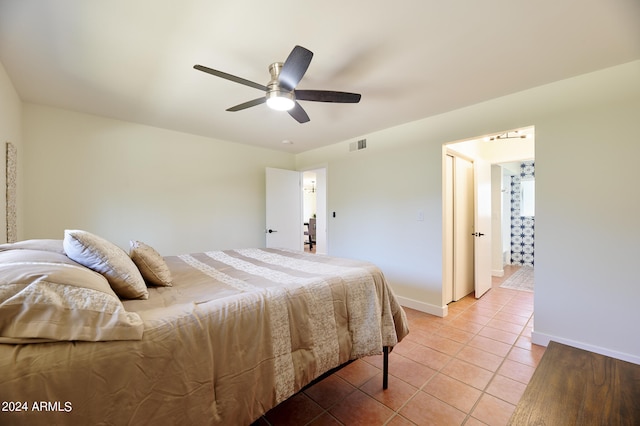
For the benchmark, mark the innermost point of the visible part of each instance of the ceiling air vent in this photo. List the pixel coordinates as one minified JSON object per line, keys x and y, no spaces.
{"x":357,"y":146}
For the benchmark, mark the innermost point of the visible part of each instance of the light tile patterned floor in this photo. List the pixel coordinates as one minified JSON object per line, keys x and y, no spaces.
{"x":469,"y":368}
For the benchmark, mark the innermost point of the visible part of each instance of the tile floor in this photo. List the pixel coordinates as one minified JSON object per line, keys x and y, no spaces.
{"x":469,"y":368}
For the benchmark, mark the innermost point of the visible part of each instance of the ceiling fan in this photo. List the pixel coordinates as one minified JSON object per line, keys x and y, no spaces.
{"x":280,"y":92}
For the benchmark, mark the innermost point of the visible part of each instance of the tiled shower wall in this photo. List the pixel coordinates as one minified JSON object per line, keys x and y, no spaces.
{"x":522,"y":227}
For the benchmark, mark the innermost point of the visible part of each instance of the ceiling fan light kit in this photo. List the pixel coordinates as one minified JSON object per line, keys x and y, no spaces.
{"x":280,"y":93}
{"x":277,"y":98}
{"x":280,"y":100}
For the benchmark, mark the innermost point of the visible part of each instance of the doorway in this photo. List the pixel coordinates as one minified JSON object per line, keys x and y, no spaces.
{"x":287,"y":212}
{"x":508,"y":149}
{"x":314,"y":210}
{"x":519,"y":225}
{"x":309,"y":210}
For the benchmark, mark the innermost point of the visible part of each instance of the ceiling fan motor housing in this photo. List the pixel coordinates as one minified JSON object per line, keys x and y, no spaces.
{"x":277,"y":97}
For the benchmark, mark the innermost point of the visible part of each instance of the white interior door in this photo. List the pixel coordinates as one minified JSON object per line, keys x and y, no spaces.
{"x":284,"y":227}
{"x":482,"y":229}
{"x":459,"y":216}
{"x":463,"y":228}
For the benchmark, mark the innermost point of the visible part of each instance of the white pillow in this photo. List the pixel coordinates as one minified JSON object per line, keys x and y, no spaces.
{"x":45,"y":296}
{"x":108,"y":259}
{"x":150,"y":264}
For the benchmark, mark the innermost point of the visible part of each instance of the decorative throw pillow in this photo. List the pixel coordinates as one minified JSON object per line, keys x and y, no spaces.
{"x":108,"y":259}
{"x":150,"y":263}
{"x":45,"y":296}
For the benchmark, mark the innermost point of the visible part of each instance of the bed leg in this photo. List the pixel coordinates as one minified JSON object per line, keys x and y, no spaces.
{"x":385,"y":367}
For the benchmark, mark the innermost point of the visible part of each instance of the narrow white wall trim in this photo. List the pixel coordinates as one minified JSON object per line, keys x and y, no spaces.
{"x":441,"y":311}
{"x":497,"y":272}
{"x":544,"y":339}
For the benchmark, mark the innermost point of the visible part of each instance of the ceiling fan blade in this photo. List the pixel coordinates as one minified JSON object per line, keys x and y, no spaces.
{"x":294,"y":67}
{"x":230,"y":77}
{"x":327,"y":96}
{"x":299,"y":113}
{"x":247,"y":104}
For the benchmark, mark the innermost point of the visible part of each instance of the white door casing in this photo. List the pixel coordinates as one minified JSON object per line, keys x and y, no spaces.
{"x":321,"y":211}
{"x":447,"y":233}
{"x":284,"y":227}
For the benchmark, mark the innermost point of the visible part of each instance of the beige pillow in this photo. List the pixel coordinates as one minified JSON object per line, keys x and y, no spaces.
{"x":150,"y":264}
{"x":108,"y":259}
{"x":45,"y":296}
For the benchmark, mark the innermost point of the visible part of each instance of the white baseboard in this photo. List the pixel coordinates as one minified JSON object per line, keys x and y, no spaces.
{"x":543,"y":339}
{"x":428,"y":308}
{"x":497,"y":273}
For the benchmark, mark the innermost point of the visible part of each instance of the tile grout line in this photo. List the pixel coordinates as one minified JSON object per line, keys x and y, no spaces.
{"x":453,"y":356}
{"x":466,"y":344}
{"x":495,"y":373}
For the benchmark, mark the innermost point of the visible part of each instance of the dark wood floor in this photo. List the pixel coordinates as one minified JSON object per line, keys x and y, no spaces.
{"x":576,"y":387}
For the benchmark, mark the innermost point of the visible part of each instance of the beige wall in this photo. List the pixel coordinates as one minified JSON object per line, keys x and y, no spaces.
{"x":587,"y":206}
{"x":179,"y":192}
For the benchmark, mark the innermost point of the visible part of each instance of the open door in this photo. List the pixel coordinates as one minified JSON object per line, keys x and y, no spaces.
{"x":284,"y":209}
{"x":482,"y":226}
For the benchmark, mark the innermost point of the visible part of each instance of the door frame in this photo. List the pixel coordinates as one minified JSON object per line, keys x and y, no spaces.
{"x":322,"y":223}
{"x":474,"y":150}
{"x":449,"y":292}
{"x":298,"y":220}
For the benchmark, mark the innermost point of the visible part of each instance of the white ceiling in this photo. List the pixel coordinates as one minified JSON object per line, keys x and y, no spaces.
{"x":133,"y":59}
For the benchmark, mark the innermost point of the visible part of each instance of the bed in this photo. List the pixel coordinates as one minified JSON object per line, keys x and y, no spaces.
{"x":90,"y":334}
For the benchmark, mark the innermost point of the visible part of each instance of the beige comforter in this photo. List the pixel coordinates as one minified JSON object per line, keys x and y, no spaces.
{"x":239,"y":332}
